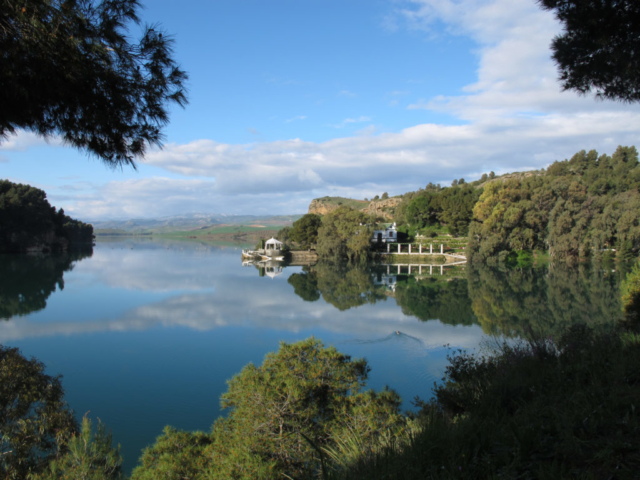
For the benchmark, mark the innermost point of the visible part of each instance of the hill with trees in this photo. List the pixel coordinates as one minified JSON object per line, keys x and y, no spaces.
{"x":574,"y":209}
{"x":28,"y":223}
{"x":579,"y":208}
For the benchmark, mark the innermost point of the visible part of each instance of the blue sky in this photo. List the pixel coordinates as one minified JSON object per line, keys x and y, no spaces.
{"x":293,"y":100}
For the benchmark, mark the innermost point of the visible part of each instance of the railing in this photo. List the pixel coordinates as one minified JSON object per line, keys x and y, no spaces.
{"x":423,"y":249}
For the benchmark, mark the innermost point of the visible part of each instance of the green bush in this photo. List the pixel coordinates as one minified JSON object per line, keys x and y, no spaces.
{"x":535,"y":409}
{"x":630,"y":289}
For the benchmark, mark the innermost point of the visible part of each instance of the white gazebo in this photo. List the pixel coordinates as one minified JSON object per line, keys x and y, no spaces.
{"x":273,"y":247}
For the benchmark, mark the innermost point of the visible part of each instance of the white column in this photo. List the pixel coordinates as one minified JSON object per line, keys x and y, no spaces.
{"x":441,"y":248}
{"x":388,"y":270}
{"x":420,"y":250}
{"x":409,"y":269}
{"x":398,"y":248}
{"x":388,"y":247}
{"x":398,"y":269}
{"x":431,"y":249}
{"x":441,"y":269}
{"x":409,"y":249}
{"x":430,"y":269}
{"x":420,"y":270}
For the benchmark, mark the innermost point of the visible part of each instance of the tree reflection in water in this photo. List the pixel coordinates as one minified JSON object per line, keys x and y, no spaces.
{"x":27,"y":281}
{"x":507,"y":302}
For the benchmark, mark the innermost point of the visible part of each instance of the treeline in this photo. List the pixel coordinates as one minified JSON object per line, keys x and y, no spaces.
{"x":29,"y":223}
{"x":574,"y":209}
{"x":578,"y":209}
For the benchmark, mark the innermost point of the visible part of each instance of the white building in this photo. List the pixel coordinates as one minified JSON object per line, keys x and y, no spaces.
{"x":385,"y":233}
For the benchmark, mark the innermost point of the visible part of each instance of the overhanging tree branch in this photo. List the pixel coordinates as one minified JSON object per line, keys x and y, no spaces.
{"x":68,"y":68}
{"x":598,"y":52}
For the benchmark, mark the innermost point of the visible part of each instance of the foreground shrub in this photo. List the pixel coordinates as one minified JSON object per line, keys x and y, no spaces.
{"x":281,"y":414}
{"x":630,"y":288}
{"x":539,"y":409}
{"x":35,"y":421}
{"x":89,"y":456}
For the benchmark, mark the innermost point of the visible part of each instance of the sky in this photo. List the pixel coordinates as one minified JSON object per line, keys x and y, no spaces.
{"x":291,"y":100}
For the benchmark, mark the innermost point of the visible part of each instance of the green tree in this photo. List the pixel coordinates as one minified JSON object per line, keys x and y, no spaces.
{"x":303,"y":389}
{"x":35,"y":421}
{"x":90,"y":456}
{"x":576,"y":209}
{"x":28,"y":221}
{"x":68,"y":69}
{"x":284,"y":235}
{"x":302,"y":398}
{"x":176,"y":455}
{"x":598,"y":49}
{"x":452,"y":207}
{"x":385,"y":195}
{"x":305,"y":230}
{"x":345,"y":233}
{"x":631,"y":296}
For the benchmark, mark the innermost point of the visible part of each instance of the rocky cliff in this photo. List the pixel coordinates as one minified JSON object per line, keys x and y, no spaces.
{"x":324,"y":205}
{"x":379,"y":208}
{"x":383,"y":208}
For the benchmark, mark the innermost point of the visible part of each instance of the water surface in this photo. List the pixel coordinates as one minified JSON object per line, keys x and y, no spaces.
{"x":146,"y":332}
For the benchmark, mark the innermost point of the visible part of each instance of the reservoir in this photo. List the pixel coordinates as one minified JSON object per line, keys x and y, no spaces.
{"x":146,"y":332}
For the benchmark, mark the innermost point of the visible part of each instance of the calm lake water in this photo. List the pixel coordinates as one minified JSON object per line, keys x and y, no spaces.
{"x":146,"y":332}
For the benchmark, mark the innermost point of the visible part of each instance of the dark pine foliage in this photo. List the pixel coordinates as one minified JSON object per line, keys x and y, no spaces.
{"x":35,"y":421}
{"x":67,"y":68}
{"x":28,"y":221}
{"x":599,"y":49}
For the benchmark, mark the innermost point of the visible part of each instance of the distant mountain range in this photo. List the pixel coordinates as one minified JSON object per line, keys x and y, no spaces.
{"x":188,"y":222}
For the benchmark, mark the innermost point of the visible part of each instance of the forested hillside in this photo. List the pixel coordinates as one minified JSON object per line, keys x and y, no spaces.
{"x":580,"y":207}
{"x":438,"y":205}
{"x":574,"y":209}
{"x":28,"y":223}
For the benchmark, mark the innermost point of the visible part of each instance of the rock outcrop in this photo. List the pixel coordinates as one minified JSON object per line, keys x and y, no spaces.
{"x":383,"y":208}
{"x":378,"y":208}
{"x":322,"y":206}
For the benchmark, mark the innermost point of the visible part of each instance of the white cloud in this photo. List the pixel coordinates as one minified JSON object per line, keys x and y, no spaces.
{"x":22,"y":140}
{"x":346,"y":93}
{"x":513,"y":117}
{"x":413,"y":156}
{"x":515,"y":72}
{"x":347,"y":121}
{"x":283,"y":177}
{"x":296,"y":118}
